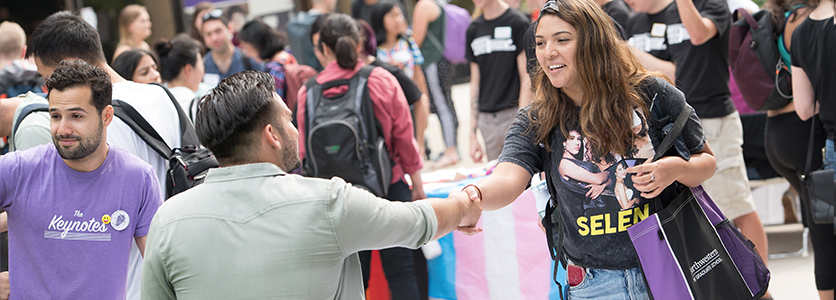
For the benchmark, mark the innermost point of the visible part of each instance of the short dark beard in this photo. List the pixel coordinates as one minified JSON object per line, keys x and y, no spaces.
{"x":290,"y":153}
{"x":86,"y":146}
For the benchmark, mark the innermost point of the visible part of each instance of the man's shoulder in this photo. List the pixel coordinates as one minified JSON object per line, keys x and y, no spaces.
{"x":36,"y":120}
{"x":275,"y":192}
{"x":31,"y":157}
{"x":129,"y":162}
{"x":133,"y":93}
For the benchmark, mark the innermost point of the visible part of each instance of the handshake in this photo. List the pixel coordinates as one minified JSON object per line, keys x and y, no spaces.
{"x":470,"y":199}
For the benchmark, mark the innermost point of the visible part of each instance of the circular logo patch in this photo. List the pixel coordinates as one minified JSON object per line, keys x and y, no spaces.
{"x":106,"y":219}
{"x":119,"y":220}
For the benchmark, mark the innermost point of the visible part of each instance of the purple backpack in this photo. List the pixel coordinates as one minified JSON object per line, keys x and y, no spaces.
{"x":456,"y":23}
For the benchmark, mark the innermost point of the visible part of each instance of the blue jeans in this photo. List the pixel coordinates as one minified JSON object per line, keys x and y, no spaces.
{"x":602,"y":284}
{"x":829,"y":156}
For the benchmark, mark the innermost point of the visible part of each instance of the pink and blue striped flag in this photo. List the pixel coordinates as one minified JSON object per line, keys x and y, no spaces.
{"x":508,"y":260}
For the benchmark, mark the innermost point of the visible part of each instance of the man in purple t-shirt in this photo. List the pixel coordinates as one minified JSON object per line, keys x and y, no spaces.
{"x":74,"y":207}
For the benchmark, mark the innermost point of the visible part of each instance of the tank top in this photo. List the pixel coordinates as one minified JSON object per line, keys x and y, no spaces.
{"x":437,"y":28}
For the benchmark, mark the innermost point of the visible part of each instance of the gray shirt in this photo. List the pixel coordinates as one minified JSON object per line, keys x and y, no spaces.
{"x":34,"y":129}
{"x":253,"y":231}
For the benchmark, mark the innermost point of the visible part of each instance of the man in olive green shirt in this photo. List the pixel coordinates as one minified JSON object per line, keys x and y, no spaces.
{"x":251,"y":230}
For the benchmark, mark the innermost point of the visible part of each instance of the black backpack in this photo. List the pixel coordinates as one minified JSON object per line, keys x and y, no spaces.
{"x":343,"y":137}
{"x":187,"y":165}
{"x":761,"y":75}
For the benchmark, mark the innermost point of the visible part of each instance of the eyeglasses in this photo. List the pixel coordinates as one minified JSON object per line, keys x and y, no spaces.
{"x":213,"y":14}
{"x":551,"y":4}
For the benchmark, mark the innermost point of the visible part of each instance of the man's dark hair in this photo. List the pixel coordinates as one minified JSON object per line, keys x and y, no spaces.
{"x":231,"y":116}
{"x":75,"y":73}
{"x":266,"y":39}
{"x":126,"y":63}
{"x":175,"y":54}
{"x":64,"y":35}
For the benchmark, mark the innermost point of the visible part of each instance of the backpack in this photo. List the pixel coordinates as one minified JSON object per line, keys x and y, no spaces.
{"x":299,"y":33}
{"x":455,"y":30}
{"x":34,"y":107}
{"x":188,"y":165}
{"x":344,"y":138}
{"x":761,"y":75}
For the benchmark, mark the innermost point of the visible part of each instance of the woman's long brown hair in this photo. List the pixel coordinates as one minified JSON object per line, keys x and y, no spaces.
{"x":610,"y":77}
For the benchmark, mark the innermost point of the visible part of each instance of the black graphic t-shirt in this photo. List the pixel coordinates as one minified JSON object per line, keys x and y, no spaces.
{"x":702,"y":72}
{"x":494,"y":46}
{"x":596,"y":200}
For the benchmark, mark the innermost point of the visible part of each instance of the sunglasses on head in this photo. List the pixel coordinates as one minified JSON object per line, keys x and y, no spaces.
{"x":551,"y":4}
{"x":213,"y":14}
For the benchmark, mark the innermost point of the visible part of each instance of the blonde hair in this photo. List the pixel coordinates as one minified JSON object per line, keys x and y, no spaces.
{"x":12,"y":40}
{"x":610,"y":77}
{"x":128,"y":15}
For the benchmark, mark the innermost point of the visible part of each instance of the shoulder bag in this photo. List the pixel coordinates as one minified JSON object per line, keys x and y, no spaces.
{"x":689,"y":250}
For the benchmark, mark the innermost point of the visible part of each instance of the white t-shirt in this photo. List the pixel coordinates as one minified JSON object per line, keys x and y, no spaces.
{"x":153,"y":103}
{"x":184,"y":96}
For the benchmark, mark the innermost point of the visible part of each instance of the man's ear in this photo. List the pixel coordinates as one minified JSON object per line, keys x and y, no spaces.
{"x":107,"y":115}
{"x":271,"y":136}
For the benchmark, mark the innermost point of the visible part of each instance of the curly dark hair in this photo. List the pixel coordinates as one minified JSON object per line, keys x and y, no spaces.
{"x":74,"y":73}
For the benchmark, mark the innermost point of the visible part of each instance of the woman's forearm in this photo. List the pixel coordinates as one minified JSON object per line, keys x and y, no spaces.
{"x":698,"y":169}
{"x":503,"y":186}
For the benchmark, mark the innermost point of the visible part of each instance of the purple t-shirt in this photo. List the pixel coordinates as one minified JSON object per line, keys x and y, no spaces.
{"x":70,"y":232}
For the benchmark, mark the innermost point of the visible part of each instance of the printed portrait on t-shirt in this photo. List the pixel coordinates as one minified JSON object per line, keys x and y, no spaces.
{"x":600,"y":188}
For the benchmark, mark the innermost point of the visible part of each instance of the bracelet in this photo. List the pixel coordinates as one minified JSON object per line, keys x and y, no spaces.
{"x":478,"y":191}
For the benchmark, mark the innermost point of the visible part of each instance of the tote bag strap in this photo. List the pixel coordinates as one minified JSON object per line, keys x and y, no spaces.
{"x":676,"y":130}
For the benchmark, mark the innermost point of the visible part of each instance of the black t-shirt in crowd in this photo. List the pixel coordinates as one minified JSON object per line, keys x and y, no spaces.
{"x":410,"y":90}
{"x":594,"y":230}
{"x":702,"y":72}
{"x":616,"y":9}
{"x":811,"y":41}
{"x":494,"y":46}
{"x":361,"y":10}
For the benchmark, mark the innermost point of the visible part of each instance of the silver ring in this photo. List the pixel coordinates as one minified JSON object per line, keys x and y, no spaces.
{"x":652,"y":178}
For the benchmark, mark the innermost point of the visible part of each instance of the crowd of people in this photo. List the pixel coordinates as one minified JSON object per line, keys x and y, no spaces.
{"x":578,"y":89}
